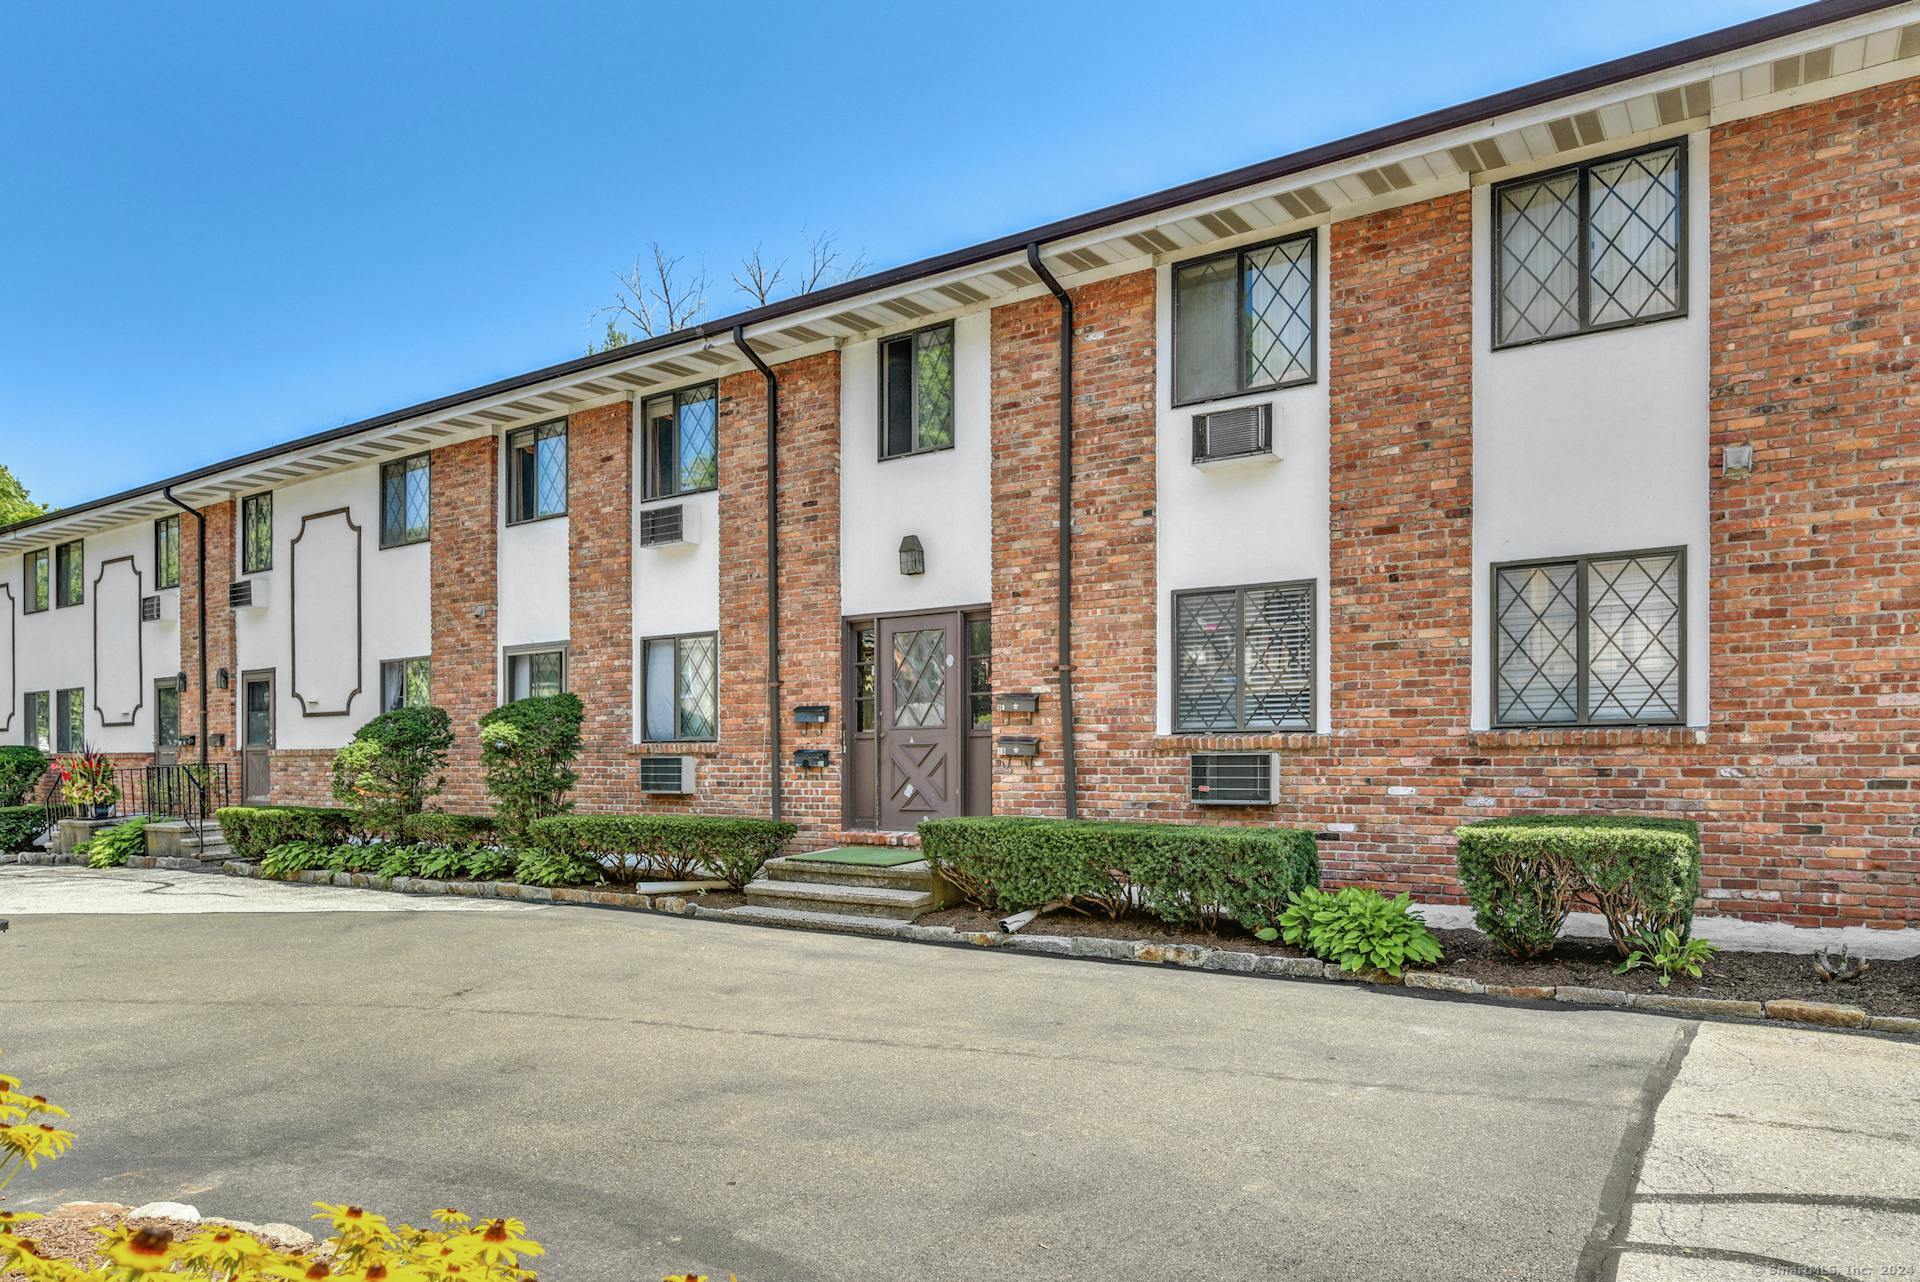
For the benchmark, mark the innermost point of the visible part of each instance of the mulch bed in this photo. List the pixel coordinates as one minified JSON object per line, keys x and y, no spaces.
{"x":1887,"y":988}
{"x":67,"y":1233}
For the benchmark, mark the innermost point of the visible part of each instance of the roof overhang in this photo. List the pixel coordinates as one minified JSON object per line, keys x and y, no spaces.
{"x":1815,"y":51}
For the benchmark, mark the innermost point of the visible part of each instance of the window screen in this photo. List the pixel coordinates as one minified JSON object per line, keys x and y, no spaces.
{"x":1243,"y":321}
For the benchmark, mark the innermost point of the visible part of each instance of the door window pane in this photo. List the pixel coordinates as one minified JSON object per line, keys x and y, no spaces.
{"x":256,"y":533}
{"x":863,"y":691}
{"x":259,"y":714}
{"x":166,"y":716}
{"x":980,"y":673}
{"x":920,"y":678}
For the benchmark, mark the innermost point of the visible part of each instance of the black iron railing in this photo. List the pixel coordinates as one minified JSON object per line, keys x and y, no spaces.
{"x":190,"y":791}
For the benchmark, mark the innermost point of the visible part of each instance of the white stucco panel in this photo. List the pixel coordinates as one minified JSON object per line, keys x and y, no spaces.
{"x":119,"y":668}
{"x":324,"y":605}
{"x":9,"y":659}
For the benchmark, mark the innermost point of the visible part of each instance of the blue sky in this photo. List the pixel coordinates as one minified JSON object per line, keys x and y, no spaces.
{"x":227,"y":225}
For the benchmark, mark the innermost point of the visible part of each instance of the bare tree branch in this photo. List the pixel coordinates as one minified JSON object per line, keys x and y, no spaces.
{"x":657,"y":297}
{"x":757,"y":278}
{"x":824,"y":265}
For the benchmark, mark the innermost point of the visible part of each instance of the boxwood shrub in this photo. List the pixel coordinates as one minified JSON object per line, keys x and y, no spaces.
{"x":20,"y":827}
{"x":1523,"y":875}
{"x":254,"y":830}
{"x":1182,"y":873}
{"x":20,"y":769}
{"x":675,"y":847}
{"x":438,"y":828}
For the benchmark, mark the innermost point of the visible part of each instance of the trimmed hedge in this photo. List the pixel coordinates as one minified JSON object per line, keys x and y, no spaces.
{"x":1523,"y":875}
{"x":676,"y":846}
{"x":21,"y":826}
{"x":254,"y":830}
{"x":439,"y":828}
{"x":1182,"y":873}
{"x":20,"y":769}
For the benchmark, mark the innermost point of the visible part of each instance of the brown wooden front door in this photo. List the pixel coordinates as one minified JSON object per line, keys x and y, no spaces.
{"x":166,"y":722}
{"x":922,"y":716}
{"x":256,"y":736}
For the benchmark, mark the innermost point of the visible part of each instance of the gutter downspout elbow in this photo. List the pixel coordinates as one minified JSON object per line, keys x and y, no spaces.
{"x":1065,"y":628}
{"x":773,"y":567}
{"x":200,"y":566}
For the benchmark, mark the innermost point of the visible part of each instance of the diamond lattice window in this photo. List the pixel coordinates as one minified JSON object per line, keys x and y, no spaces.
{"x":682,"y":436}
{"x":256,"y":533}
{"x":920,"y":678}
{"x":1590,"y":641}
{"x":1243,"y":659}
{"x":537,"y":472}
{"x":1243,"y":321}
{"x":916,"y":392}
{"x":1590,"y":247}
{"x":681,"y":688}
{"x":405,"y":495}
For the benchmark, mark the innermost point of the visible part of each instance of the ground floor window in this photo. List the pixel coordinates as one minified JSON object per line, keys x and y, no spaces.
{"x":536,"y":672}
{"x":1593,"y":640}
{"x":405,"y":683}
{"x":680,"y":687}
{"x":70,"y":720}
{"x":1243,"y":658}
{"x":38,"y":709}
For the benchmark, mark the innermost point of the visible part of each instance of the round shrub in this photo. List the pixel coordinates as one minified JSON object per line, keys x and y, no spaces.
{"x":393,"y":766}
{"x":527,"y":749}
{"x":20,"y":769}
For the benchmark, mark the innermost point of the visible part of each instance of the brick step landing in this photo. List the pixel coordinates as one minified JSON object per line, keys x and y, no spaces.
{"x":877,"y":837}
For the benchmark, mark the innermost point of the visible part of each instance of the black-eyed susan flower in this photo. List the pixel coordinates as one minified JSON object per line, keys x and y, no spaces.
{"x":501,"y":1241}
{"x":143,"y":1250}
{"x":450,"y":1215}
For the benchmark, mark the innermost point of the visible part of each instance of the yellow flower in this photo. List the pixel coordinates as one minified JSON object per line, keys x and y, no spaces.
{"x":355,"y":1223}
{"x":448,"y":1215}
{"x":500,"y":1241}
{"x":33,"y":1141}
{"x":143,"y":1250}
{"x":10,"y":1218}
{"x":299,"y":1270}
{"x":225,"y":1249}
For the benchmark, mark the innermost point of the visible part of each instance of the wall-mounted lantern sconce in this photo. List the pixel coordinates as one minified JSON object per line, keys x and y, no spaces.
{"x":913,"y":557}
{"x":1019,"y":745}
{"x":1736,"y":460}
{"x":220,"y":679}
{"x":810,"y":714}
{"x":180,"y":681}
{"x":1016,"y":702}
{"x":810,"y":758}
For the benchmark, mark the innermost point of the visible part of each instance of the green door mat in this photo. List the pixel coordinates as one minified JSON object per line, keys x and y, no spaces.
{"x":870,"y":856}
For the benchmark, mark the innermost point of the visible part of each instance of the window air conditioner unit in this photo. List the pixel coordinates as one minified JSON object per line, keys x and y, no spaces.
{"x":1236,"y":778}
{"x":1242,"y":433}
{"x":160,"y":608}
{"x":666,"y":775}
{"x":670,"y":526}
{"x":247,"y":594}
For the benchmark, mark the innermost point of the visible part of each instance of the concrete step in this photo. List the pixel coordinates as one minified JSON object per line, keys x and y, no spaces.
{"x":876,"y":837}
{"x":850,"y":901}
{"x":804,"y":920}
{"x":917,"y":875}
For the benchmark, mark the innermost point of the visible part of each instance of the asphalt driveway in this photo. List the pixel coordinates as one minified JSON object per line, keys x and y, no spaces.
{"x":656,"y":1094}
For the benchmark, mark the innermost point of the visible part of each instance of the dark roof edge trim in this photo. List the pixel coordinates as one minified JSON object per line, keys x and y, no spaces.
{"x":1711,"y":44}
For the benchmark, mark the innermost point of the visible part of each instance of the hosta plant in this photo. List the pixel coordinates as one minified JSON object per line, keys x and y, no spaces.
{"x":1666,"y":955}
{"x":112,"y":847}
{"x":290,"y":857}
{"x":1357,"y":929}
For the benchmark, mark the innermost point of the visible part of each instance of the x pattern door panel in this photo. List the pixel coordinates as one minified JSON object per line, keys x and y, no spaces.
{"x":919,"y":757}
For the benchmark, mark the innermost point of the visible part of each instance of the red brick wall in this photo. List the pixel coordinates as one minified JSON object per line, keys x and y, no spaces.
{"x":220,"y":703}
{"x":600,"y":609}
{"x":465,"y":494}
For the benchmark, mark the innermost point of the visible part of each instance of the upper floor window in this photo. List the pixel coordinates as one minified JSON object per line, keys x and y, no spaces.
{"x":405,"y":683}
{"x":38,"y":575}
{"x":1243,"y":658}
{"x":404,"y":500}
{"x":70,"y":721}
{"x":1593,"y":246}
{"x":1590,"y":640}
{"x":39,"y":718}
{"x":680,"y":684}
{"x":537,"y":472}
{"x":682,"y":440}
{"x":916,"y":392}
{"x":1243,"y":320}
{"x":256,"y":533}
{"x":536,"y":672}
{"x":166,"y":552}
{"x":70,"y":573}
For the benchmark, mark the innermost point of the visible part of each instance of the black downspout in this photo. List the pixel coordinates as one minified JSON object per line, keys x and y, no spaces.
{"x":773,"y":563}
{"x":1066,"y":526}
{"x":200,"y":564}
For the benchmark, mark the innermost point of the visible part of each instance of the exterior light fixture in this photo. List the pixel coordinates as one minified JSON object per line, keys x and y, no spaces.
{"x":913,"y":557}
{"x":180,"y":680}
{"x":220,"y":679}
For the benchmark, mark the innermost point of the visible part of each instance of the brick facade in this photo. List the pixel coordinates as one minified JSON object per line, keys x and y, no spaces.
{"x":1804,"y":777}
{"x":221,"y":718}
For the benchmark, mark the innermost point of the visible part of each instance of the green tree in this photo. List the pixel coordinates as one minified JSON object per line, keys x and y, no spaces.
{"x":14,"y":503}
{"x":616,"y":337}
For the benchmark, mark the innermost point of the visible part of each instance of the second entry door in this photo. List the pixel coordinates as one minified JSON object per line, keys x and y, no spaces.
{"x":918,"y":670}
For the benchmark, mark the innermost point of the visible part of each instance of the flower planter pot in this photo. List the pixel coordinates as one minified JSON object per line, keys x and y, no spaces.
{"x":103,"y":811}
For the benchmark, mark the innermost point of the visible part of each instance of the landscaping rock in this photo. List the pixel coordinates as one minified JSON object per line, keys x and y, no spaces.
{"x":1590,"y":996}
{"x":1675,"y":1004}
{"x":1058,"y":945}
{"x":1895,"y":1024}
{"x":1827,"y":1013}
{"x":1443,"y":983}
{"x":1172,"y":954}
{"x":981,"y":938}
{"x":1292,"y":967}
{"x":670,"y":904}
{"x":1533,"y":992}
{"x":927,"y":934}
{"x":92,"y":1208}
{"x":285,"y":1234}
{"x":1229,"y":959}
{"x":1094,"y":946}
{"x":164,"y":1211}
